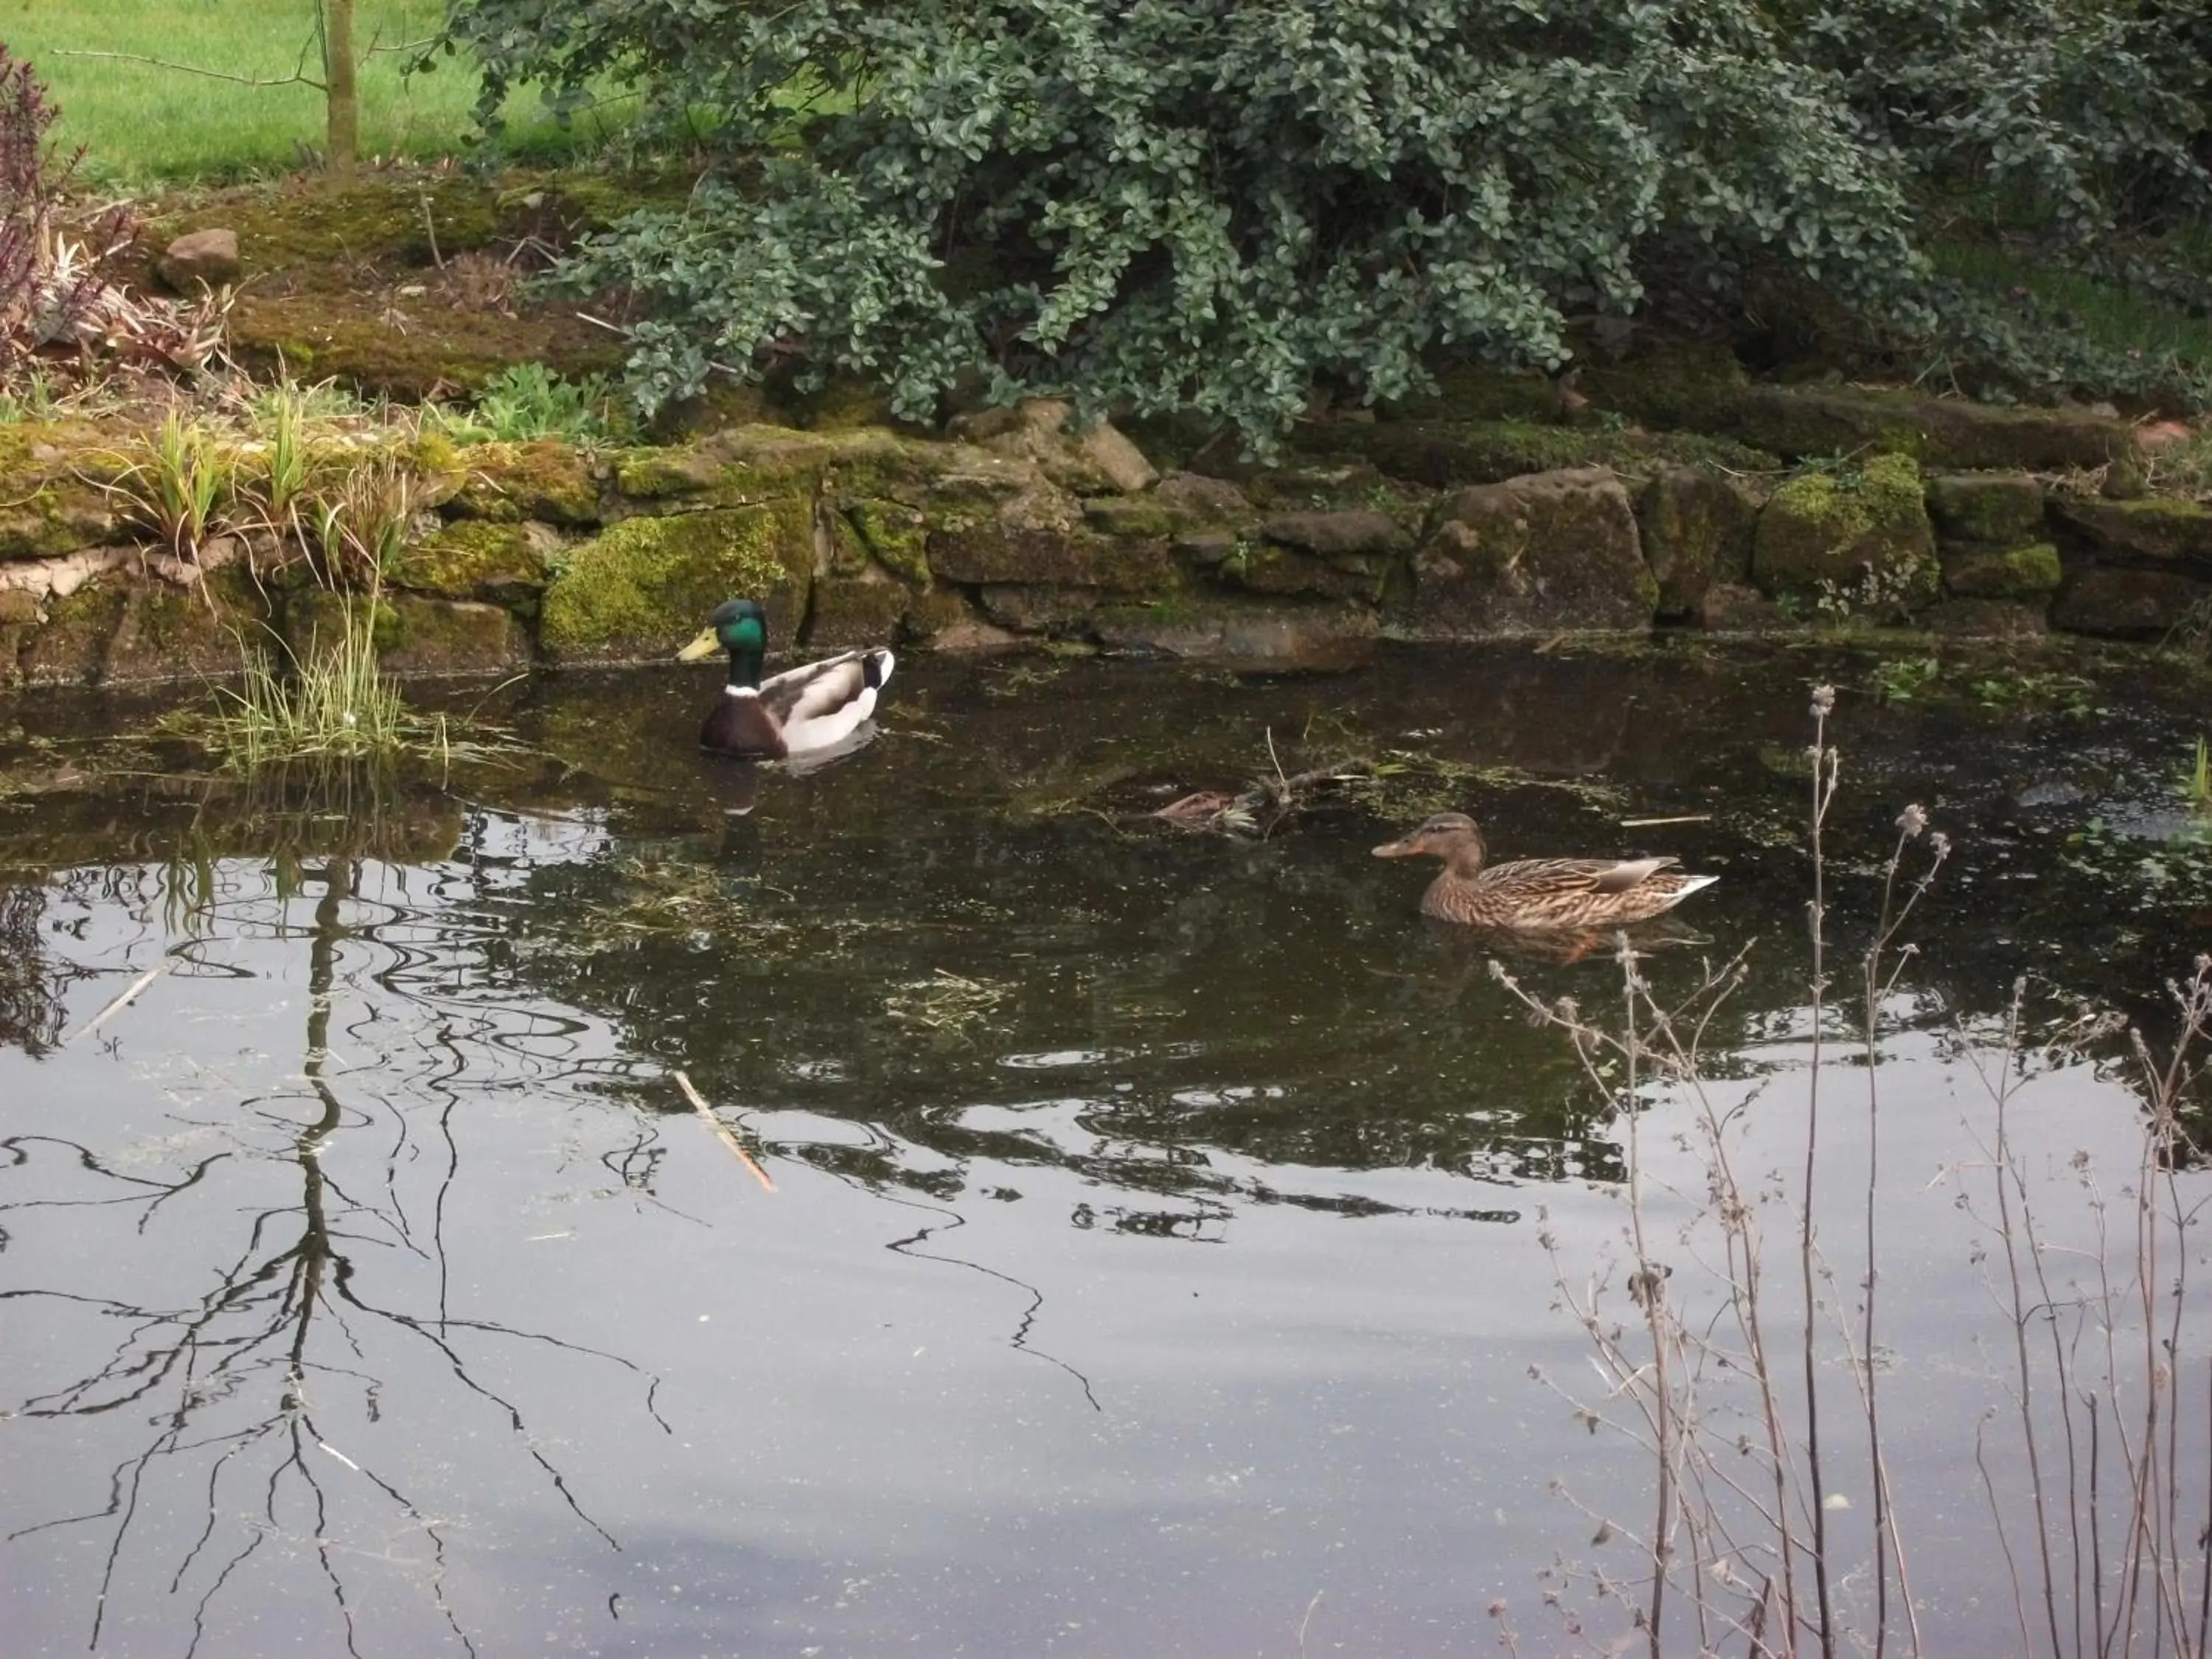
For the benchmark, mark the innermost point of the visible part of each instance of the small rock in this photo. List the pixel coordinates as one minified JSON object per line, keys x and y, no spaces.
{"x":200,"y":259}
{"x":1211,"y":498}
{"x":1333,"y":535}
{"x":1108,"y":449}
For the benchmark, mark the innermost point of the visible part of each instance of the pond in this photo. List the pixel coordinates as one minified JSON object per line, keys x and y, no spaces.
{"x":1117,"y":1239}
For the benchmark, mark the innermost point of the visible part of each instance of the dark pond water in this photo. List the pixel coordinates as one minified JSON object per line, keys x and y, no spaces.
{"x":1156,"y":1259}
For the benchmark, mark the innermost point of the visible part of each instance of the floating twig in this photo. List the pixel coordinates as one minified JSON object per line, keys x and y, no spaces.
{"x":1653,"y":823}
{"x":128,"y":994}
{"x":729,"y":1137}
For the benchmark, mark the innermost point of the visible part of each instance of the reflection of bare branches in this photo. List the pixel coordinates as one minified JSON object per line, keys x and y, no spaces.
{"x":30,"y":993}
{"x":948,"y":1219}
{"x":275,"y":1313}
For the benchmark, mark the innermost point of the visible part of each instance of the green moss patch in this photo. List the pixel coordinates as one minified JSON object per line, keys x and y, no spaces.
{"x":321,"y":233}
{"x":1447,"y":455}
{"x":1830,"y":533}
{"x":2156,"y":530}
{"x":1694,"y":386}
{"x":384,"y":348}
{"x":1940,"y":432}
{"x":543,"y":479}
{"x":1994,"y":572}
{"x":475,"y":559}
{"x":895,"y":534}
{"x":1697,"y":530}
{"x":1998,"y":509}
{"x":645,"y":587}
{"x":853,"y":611}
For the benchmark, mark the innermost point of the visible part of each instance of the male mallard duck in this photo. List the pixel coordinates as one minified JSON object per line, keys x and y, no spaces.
{"x":802,"y":711}
{"x":1536,"y":893}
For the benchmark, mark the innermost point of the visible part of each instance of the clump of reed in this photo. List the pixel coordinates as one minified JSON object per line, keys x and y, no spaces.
{"x":329,"y":695}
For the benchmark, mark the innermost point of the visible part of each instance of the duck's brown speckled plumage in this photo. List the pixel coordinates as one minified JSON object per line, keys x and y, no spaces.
{"x":1537,"y":894}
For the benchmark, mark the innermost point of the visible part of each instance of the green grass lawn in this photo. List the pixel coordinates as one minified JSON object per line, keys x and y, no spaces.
{"x":140,"y":123}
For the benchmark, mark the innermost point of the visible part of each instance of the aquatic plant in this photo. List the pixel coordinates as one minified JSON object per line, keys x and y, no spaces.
{"x":2197,"y":782}
{"x":2105,"y":1555}
{"x":332,"y":699}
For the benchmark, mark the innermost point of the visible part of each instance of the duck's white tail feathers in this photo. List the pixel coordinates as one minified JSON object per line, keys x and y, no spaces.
{"x":1694,"y":884}
{"x":877,"y":664}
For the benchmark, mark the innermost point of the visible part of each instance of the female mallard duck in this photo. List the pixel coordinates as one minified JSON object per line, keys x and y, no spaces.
{"x":1536,"y":894}
{"x":801,"y":712}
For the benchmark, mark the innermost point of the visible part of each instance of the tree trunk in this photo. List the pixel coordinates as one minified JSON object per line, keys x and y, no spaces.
{"x":342,"y":104}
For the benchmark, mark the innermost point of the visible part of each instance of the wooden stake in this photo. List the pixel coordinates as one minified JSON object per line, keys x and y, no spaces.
{"x":729,"y":1138}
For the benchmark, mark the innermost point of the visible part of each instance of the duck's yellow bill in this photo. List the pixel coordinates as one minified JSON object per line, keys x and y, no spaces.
{"x":700,"y":648}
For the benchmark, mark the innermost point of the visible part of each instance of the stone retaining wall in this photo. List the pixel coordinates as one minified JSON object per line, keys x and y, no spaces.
{"x":1451,"y":523}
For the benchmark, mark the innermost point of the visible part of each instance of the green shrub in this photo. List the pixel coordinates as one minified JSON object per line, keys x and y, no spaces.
{"x":1213,"y":205}
{"x":1198,"y":203}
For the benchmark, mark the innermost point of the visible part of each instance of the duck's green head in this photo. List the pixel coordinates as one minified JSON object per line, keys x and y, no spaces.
{"x":739,"y":627}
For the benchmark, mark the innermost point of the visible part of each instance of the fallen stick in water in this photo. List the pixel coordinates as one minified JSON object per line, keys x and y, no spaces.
{"x":729,"y":1137}
{"x":1653,"y":823}
{"x":121,"y":1001}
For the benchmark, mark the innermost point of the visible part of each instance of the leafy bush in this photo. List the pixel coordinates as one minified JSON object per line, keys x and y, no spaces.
{"x":2084,"y":117}
{"x":1198,"y":203}
{"x":1217,"y":206}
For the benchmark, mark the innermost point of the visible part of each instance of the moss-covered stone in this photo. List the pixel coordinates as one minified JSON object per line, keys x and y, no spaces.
{"x":896,"y":535}
{"x":163,"y":632}
{"x":724,"y":403}
{"x":1693,"y":386}
{"x":543,"y":479}
{"x":1243,"y":631}
{"x":2128,"y":603}
{"x":937,"y":611}
{"x":70,"y":646}
{"x":1696,"y":527}
{"x":1039,"y":608}
{"x":1346,"y":533}
{"x":1264,"y":567}
{"x":57,"y":491}
{"x":1037,"y":537}
{"x":1938,"y":432}
{"x":452,"y":637}
{"x":1997,"y":509}
{"x":324,"y":229}
{"x":2158,"y":530}
{"x":1447,"y":456}
{"x":2003,"y":573}
{"x":1536,"y":555}
{"x":643,"y":587}
{"x":476,"y":559}
{"x":315,"y":620}
{"x":1137,"y":518}
{"x":1864,"y":533}
{"x":850,"y":611}
{"x":363,"y":342}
